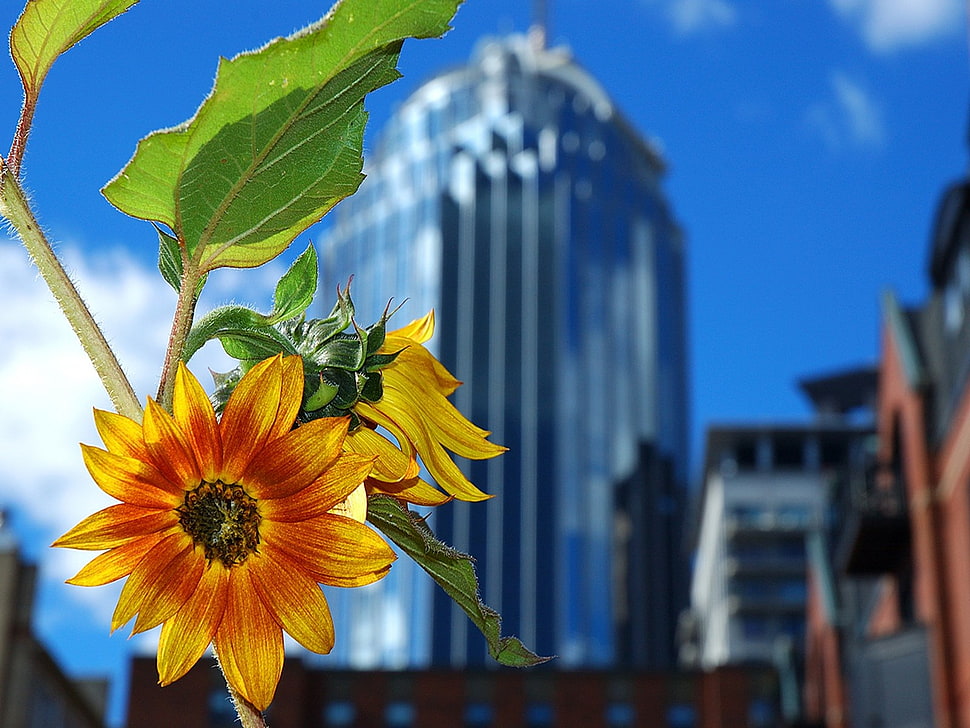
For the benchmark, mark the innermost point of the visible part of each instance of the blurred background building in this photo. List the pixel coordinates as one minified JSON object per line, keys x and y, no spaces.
{"x":34,"y":691}
{"x":512,"y":197}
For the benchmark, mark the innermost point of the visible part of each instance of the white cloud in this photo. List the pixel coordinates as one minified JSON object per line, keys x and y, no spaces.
{"x":849,"y":117}
{"x":886,"y":25}
{"x":694,"y":16}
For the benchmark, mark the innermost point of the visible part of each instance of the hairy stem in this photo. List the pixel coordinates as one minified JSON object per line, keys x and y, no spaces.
{"x":181,"y":325}
{"x":15,"y":208}
{"x":19,"y":144}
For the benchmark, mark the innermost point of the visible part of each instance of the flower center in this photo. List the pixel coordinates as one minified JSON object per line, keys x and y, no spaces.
{"x":222,"y":519}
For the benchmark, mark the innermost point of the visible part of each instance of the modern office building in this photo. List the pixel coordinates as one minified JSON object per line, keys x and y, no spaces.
{"x":34,"y":691}
{"x":765,"y":489}
{"x":512,"y":197}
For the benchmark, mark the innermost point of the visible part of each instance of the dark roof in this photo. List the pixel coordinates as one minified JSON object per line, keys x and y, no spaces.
{"x":842,"y":392}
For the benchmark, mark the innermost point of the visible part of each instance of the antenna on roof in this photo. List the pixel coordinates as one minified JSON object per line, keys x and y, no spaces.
{"x":540,"y":24}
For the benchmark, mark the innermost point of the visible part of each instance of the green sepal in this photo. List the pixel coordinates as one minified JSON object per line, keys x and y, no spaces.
{"x":321,"y":396}
{"x":452,"y":570}
{"x":295,"y":290}
{"x":244,"y":333}
{"x":373,"y":388}
{"x":343,"y":351}
{"x":376,"y":362}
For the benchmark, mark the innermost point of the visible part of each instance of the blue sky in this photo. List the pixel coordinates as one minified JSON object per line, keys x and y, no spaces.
{"x":808,"y":142}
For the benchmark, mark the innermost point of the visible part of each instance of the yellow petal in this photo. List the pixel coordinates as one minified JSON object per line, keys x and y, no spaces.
{"x":195,"y":417}
{"x":331,"y":549}
{"x":442,"y":468}
{"x":293,"y":461}
{"x":115,"y":525}
{"x":120,"y":435}
{"x":391,"y":464}
{"x":414,"y":358}
{"x":415,"y":490}
{"x":167,"y":574}
{"x":170,"y":451}
{"x":294,"y":599}
{"x":353,"y":506}
{"x":419,"y":330}
{"x":336,"y":483}
{"x":114,"y":564}
{"x":130,"y":480}
{"x":249,"y":642}
{"x":189,"y":631}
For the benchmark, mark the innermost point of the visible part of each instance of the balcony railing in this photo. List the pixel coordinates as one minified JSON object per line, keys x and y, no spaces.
{"x":875,"y":534}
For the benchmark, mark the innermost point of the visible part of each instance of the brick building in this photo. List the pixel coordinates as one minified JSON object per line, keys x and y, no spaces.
{"x":34,"y":692}
{"x":310,"y":697}
{"x":890,"y":579}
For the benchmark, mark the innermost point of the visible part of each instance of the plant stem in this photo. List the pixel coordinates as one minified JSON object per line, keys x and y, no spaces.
{"x":15,"y":208}
{"x":181,"y":325}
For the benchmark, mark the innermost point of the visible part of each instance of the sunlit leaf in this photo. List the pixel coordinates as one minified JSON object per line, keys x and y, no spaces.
{"x":453,"y":571}
{"x":279,"y":140}
{"x":48,"y":28}
{"x":295,"y":290}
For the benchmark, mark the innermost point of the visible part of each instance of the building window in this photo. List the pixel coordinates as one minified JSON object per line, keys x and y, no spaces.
{"x":538,"y":715}
{"x":681,"y":715}
{"x":478,"y":715}
{"x":399,"y":714}
{"x":761,"y":713}
{"x":620,"y":714}
{"x":339,"y":714}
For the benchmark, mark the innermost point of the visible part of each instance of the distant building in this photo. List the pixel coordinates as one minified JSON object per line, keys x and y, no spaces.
{"x":889,"y":639}
{"x":766,"y":489}
{"x":512,"y":197}
{"x":732,"y":697}
{"x":34,"y":692}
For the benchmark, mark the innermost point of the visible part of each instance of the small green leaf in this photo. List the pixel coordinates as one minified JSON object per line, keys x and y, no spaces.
{"x":453,"y":571}
{"x":321,"y":397}
{"x":48,"y":28}
{"x":295,"y":290}
{"x":169,"y":259}
{"x":279,"y":140}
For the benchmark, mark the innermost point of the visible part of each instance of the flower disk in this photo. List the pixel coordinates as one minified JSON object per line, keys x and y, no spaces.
{"x":227,"y":527}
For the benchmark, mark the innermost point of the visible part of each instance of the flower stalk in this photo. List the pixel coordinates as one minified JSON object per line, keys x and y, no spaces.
{"x":15,"y":208}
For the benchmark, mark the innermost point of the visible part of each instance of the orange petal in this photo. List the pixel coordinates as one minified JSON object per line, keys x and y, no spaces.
{"x":130,"y":480}
{"x":161,"y":582}
{"x":120,"y":435}
{"x":114,"y":564}
{"x":251,"y":416}
{"x":336,"y":483}
{"x":249,"y":642}
{"x":391,"y":465}
{"x":331,"y":549}
{"x":293,"y":461}
{"x":195,"y":417}
{"x":115,"y":525}
{"x":295,"y":600}
{"x":189,"y":631}
{"x":170,"y":451}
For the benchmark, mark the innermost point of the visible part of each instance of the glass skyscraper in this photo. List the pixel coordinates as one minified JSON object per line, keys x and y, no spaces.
{"x":512,"y":197}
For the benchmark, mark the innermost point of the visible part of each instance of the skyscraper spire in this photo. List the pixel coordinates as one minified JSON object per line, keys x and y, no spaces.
{"x":540,"y":24}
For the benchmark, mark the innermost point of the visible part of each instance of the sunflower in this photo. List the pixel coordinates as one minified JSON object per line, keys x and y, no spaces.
{"x":226,"y":528}
{"x":415,"y":409}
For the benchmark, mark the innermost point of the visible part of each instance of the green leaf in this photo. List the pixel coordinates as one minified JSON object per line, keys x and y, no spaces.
{"x":48,"y":28}
{"x":169,"y":259}
{"x":295,"y":290}
{"x":453,"y":571}
{"x":279,"y":140}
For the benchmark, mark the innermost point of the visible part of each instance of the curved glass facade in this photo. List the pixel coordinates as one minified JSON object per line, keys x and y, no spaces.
{"x":510,"y":196}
